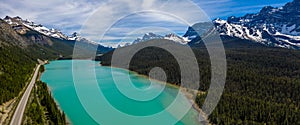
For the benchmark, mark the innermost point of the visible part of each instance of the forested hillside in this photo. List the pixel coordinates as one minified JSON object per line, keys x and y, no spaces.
{"x":42,"y":108}
{"x":19,"y":54}
{"x":262,"y":85}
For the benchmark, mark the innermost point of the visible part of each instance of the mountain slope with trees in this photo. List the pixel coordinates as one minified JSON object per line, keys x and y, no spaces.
{"x":262,"y":83}
{"x":19,"y":52}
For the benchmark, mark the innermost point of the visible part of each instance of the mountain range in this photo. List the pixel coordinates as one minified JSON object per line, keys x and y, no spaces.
{"x":22,"y":26}
{"x":27,"y":33}
{"x":276,"y":27}
{"x":170,"y":36}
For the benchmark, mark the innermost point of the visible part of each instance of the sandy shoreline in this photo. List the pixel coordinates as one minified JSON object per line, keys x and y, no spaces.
{"x":189,"y":94}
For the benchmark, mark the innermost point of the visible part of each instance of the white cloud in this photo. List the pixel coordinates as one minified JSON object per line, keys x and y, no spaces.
{"x":131,"y":15}
{"x":61,"y":14}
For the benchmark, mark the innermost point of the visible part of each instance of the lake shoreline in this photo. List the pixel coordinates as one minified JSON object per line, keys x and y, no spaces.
{"x":185,"y":91}
{"x":68,"y":121}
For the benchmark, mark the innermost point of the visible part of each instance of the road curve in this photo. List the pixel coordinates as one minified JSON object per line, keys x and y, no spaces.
{"x":18,"y":115}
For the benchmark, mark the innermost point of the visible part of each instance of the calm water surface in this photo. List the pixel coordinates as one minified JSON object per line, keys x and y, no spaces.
{"x":102,"y":102}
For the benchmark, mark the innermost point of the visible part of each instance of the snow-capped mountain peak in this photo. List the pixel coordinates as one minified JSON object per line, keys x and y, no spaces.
{"x":176,"y":38}
{"x":22,"y":26}
{"x":171,"y":36}
{"x":272,"y":26}
{"x":148,"y":36}
{"x":74,"y":36}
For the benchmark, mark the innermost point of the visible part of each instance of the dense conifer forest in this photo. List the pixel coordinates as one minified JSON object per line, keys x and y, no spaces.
{"x":42,"y":109}
{"x":19,"y":54}
{"x":262,"y":84}
{"x":17,"y":65}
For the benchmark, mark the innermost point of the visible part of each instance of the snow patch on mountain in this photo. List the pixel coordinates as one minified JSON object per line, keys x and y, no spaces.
{"x":177,"y":39}
{"x":22,"y":26}
{"x":278,"y":27}
{"x":264,"y":34}
{"x":115,"y":44}
{"x":171,"y":36}
{"x":18,"y":22}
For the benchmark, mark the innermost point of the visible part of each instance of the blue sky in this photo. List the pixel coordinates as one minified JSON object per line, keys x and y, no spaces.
{"x":226,"y":8}
{"x":69,"y":15}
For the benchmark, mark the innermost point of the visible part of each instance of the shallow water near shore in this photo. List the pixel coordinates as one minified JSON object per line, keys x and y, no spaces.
{"x":94,"y":98}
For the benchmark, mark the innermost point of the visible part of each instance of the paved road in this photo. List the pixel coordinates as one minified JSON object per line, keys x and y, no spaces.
{"x":18,"y":115}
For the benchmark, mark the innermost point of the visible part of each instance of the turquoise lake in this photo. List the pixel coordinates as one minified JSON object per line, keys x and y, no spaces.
{"x":89,"y":95}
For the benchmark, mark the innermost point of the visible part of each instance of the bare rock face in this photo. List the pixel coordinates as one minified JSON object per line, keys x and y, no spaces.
{"x":8,"y":36}
{"x":279,"y":27}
